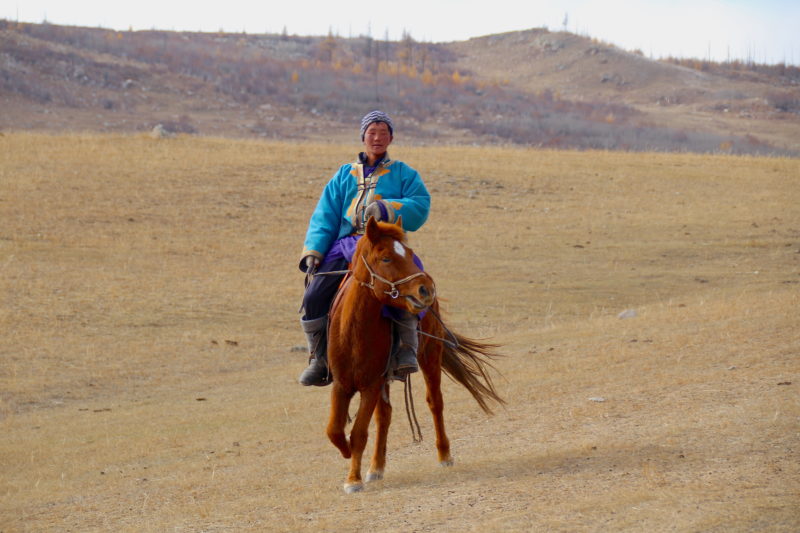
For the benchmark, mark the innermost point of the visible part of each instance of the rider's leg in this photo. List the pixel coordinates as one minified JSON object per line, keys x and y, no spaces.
{"x":407,"y":338}
{"x":316,"y":303}
{"x":407,"y":345}
{"x":317,"y":371}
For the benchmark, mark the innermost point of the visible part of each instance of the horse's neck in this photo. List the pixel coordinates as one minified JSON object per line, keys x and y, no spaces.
{"x":359,"y":305}
{"x":361,"y":300}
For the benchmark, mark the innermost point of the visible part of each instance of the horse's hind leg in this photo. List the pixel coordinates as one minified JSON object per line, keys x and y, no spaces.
{"x":383,"y":418}
{"x":432,"y":370}
{"x":358,"y":438}
{"x":340,"y":401}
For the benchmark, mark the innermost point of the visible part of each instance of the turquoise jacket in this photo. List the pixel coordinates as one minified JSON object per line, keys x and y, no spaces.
{"x":337,"y":214}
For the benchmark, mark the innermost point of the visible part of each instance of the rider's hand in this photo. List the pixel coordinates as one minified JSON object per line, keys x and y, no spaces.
{"x":312,"y":262}
{"x":379,"y":210}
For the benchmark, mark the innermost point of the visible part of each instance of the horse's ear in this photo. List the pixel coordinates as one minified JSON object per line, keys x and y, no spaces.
{"x":399,"y":222}
{"x":373,"y":233}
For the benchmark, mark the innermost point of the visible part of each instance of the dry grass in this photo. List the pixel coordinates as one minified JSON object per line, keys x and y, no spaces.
{"x":149,"y":297}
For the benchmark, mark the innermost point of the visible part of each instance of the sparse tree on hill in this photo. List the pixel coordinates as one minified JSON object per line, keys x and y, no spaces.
{"x":368,"y":48}
{"x":328,"y":47}
{"x":406,"y":53}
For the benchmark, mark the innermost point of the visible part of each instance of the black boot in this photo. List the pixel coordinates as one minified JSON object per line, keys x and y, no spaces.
{"x":317,"y":372}
{"x":405,"y":356}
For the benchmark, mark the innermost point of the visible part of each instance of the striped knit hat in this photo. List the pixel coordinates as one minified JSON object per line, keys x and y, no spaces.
{"x":375,"y":116}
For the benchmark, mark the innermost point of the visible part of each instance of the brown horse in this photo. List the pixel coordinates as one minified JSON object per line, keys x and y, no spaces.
{"x":359,"y":342}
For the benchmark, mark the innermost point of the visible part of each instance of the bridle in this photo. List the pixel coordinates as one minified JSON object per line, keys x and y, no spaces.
{"x":393,"y":292}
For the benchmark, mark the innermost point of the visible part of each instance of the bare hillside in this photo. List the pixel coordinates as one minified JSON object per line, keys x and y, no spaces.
{"x":583,"y":68}
{"x":727,"y":99}
{"x":531,"y":88}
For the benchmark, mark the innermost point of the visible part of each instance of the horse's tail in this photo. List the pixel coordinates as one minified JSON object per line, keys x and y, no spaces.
{"x":468,"y":363}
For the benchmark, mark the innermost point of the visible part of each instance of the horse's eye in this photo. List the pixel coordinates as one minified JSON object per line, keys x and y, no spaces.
{"x":386,"y":259}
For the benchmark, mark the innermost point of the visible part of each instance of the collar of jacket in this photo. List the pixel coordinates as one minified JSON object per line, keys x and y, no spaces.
{"x":362,"y":159}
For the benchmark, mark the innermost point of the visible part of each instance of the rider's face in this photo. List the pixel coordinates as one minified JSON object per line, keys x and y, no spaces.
{"x":377,"y":140}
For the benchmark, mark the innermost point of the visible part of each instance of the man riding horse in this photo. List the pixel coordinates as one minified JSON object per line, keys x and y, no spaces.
{"x":372,"y":186}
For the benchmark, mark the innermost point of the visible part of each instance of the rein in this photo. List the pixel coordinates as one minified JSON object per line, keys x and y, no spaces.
{"x":452,"y":342}
{"x":411,"y":413}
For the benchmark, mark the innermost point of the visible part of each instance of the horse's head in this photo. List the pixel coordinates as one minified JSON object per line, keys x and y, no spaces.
{"x":384,"y":263}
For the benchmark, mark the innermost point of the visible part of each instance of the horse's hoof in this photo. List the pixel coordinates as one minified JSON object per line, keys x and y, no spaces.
{"x":446,"y":462}
{"x":352,"y":488}
{"x":377,"y":475}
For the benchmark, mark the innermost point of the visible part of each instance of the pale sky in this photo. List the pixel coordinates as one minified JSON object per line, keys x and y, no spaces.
{"x":762,"y":30}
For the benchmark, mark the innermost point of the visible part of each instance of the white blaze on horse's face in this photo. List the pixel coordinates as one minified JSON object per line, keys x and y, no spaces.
{"x":400,"y":249}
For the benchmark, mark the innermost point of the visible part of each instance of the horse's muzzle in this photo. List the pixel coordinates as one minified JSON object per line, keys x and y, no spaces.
{"x":423,"y":298}
{"x":424,"y":292}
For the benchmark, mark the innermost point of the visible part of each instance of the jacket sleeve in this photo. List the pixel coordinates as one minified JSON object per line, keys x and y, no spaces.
{"x":415,"y":203}
{"x":323,"y":227}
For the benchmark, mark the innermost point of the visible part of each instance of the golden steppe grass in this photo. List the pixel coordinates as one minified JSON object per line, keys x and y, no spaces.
{"x":149,"y":315}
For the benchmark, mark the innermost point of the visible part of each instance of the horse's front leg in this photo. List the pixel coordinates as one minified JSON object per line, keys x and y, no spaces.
{"x":383,"y":418}
{"x":358,"y":437}
{"x":431,"y":366}
{"x":340,"y":401}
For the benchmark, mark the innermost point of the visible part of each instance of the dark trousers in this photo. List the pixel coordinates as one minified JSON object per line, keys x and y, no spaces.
{"x":320,"y":292}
